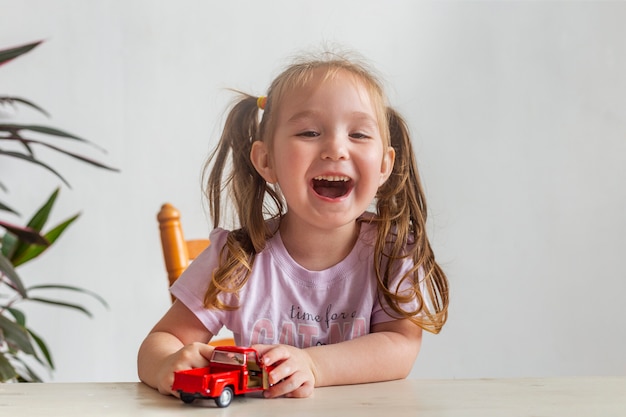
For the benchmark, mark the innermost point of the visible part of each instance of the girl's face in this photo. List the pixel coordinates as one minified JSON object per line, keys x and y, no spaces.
{"x":327,"y":154}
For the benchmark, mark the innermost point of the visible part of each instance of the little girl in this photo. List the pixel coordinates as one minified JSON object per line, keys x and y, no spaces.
{"x":326,"y":290}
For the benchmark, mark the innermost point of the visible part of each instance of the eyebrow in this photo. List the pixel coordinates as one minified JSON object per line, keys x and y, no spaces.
{"x":306,"y":114}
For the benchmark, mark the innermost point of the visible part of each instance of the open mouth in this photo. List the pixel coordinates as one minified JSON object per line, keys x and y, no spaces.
{"x":332,"y":186}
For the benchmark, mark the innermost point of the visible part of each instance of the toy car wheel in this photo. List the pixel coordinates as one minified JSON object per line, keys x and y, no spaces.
{"x":186,"y":398}
{"x":225,"y":397}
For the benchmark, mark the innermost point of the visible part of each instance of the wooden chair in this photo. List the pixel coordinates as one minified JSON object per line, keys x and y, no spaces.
{"x":178,"y":252}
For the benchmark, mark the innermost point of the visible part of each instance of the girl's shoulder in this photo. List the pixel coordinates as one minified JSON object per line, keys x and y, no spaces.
{"x":218,"y":236}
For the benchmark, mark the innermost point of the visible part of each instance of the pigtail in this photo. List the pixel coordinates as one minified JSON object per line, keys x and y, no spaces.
{"x":401,"y":207}
{"x":239,"y":128}
{"x":247,"y":190}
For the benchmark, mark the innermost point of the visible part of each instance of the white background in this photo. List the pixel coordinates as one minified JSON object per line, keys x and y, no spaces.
{"x":518,"y":113}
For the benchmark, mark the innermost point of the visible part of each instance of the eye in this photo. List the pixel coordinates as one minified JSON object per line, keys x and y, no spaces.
{"x":308,"y":134}
{"x":359,"y":135}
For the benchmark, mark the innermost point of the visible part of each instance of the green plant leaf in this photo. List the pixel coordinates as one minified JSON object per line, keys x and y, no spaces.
{"x":11,"y":100}
{"x":7,"y":208}
{"x":32,"y":376}
{"x":26,"y":234}
{"x":62,"y":304}
{"x":25,"y":373}
{"x":9,"y":241}
{"x":16,"y":336}
{"x":20,"y":318}
{"x":39,"y":219}
{"x":8,"y":54}
{"x":46,"y":130}
{"x":7,"y":269}
{"x":37,"y":222}
{"x":68,"y":153}
{"x":18,"y":343}
{"x":43,"y":348}
{"x":32,"y":251}
{"x":14,"y":131}
{"x":33,"y":160}
{"x":68,"y":288}
{"x":7,"y":371}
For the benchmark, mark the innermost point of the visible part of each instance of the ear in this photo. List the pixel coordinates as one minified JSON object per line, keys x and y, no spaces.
{"x":260,"y":157}
{"x":386,"y":166}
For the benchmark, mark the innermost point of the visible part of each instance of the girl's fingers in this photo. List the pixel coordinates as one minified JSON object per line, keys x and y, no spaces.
{"x":290,"y":375}
{"x":295,"y":386}
{"x":305,"y":390}
{"x":281,"y":372}
{"x":271,"y":354}
{"x":206,"y":351}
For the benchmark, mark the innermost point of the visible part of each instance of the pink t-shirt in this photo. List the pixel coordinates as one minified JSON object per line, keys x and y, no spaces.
{"x":284,"y":303}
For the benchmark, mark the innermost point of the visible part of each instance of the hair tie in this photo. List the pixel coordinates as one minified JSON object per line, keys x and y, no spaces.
{"x":260,"y":102}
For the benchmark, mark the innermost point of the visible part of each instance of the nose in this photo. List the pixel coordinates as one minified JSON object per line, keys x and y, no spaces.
{"x":334,"y":147}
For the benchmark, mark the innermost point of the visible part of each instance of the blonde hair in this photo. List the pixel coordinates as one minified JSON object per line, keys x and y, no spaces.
{"x":400,"y":204}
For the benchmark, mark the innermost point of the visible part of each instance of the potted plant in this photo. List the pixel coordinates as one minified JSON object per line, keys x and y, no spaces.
{"x":19,"y":244}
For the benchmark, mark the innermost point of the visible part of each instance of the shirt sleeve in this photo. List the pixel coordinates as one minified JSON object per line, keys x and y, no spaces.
{"x":191,"y":286}
{"x":381,"y":311}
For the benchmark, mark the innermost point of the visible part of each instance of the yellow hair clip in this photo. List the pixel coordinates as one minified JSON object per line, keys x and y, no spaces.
{"x":260,"y":102}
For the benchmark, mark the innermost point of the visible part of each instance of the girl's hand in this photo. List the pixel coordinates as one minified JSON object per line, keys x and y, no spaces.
{"x":191,"y":356}
{"x":294,"y":372}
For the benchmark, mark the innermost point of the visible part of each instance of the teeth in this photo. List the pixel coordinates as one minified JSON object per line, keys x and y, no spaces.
{"x":331,"y":178}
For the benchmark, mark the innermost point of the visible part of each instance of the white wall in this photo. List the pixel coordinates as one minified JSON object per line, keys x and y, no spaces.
{"x":519,"y":117}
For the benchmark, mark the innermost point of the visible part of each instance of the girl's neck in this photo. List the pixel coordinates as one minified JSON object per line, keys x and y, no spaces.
{"x":317,"y":249}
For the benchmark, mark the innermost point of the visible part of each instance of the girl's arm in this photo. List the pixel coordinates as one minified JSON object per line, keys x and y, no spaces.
{"x":385,"y":354}
{"x":178,"y":341}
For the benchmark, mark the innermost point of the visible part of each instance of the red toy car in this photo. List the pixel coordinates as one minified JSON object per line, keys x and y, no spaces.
{"x":233,"y":370}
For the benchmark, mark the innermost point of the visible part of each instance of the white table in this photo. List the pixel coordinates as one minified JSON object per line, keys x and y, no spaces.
{"x":552,"y":397}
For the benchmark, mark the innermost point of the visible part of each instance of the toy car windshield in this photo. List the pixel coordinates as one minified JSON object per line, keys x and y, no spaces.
{"x":228,"y":358}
